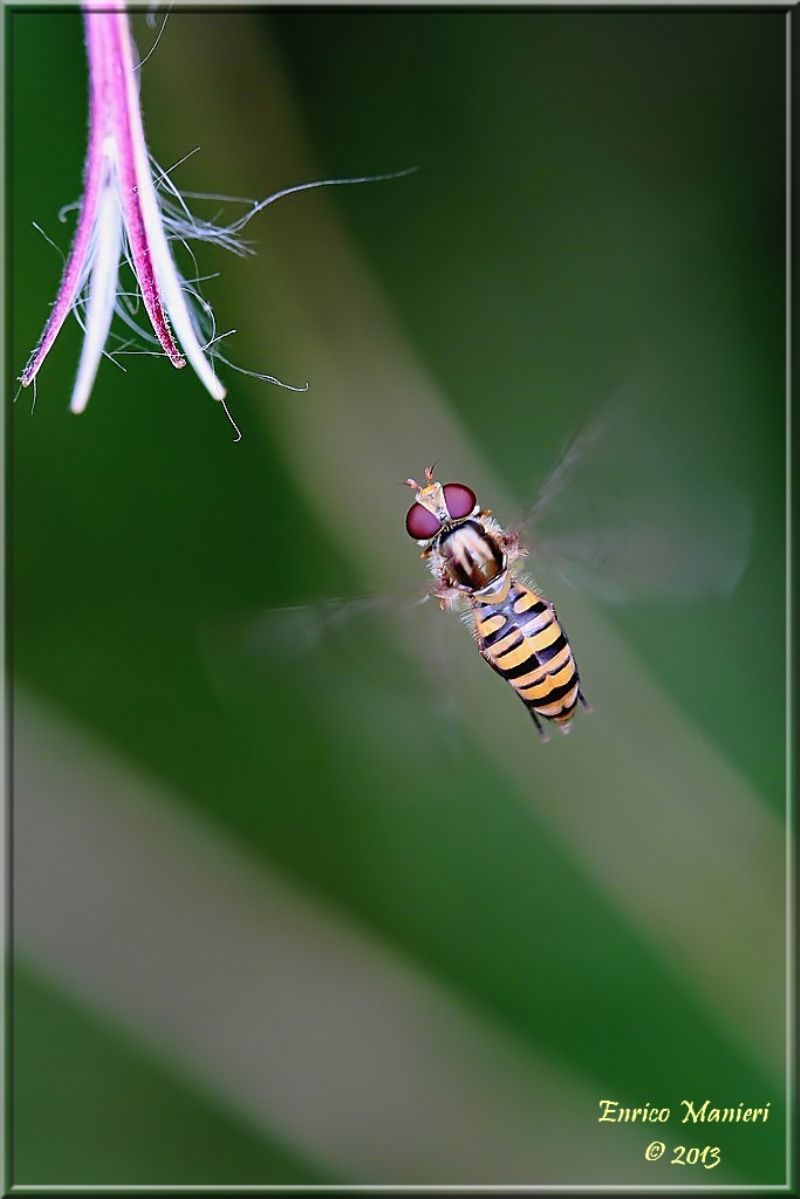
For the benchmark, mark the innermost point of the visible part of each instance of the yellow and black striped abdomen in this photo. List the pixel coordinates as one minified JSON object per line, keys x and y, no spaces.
{"x":520,"y":637}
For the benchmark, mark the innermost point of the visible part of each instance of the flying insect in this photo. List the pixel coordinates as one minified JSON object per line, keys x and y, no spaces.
{"x":628,"y":512}
{"x":473,"y":559}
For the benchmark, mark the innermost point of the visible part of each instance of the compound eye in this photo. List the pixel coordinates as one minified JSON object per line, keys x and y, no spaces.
{"x":459,"y":499}
{"x":421,"y":524}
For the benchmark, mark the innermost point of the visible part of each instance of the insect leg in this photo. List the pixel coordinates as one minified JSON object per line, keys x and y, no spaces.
{"x":587,"y":707}
{"x":543,"y":733}
{"x":448,"y":597}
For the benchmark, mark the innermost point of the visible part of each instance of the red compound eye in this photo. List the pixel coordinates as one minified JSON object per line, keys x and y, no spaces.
{"x":459,"y":499}
{"x":421,"y":524}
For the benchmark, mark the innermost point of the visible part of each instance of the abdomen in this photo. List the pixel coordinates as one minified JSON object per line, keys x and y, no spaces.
{"x":521,"y":638}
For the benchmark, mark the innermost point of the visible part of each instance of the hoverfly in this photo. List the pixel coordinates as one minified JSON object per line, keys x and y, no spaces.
{"x":517,"y":630}
{"x":628,"y":512}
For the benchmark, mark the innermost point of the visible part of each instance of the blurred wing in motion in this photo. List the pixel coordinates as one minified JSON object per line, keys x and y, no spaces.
{"x":306,"y":628}
{"x":637,"y":507}
{"x":336,"y":648}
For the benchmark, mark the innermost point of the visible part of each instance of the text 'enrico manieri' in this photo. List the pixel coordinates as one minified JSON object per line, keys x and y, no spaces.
{"x":691,"y":1112}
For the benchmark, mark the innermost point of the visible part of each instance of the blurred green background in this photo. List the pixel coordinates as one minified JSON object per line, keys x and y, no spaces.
{"x":600,"y":198}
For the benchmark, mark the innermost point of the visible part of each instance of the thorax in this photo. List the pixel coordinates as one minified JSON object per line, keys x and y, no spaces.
{"x":473,"y":555}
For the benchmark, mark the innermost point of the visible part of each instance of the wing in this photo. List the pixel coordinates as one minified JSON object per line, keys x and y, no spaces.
{"x":385,"y":648}
{"x":638,"y":507}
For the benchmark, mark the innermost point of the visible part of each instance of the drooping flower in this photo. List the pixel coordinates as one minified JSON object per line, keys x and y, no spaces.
{"x":119,"y":201}
{"x":121,"y":216}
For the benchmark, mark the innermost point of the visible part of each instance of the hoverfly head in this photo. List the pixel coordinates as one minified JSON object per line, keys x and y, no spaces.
{"x":437,"y":506}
